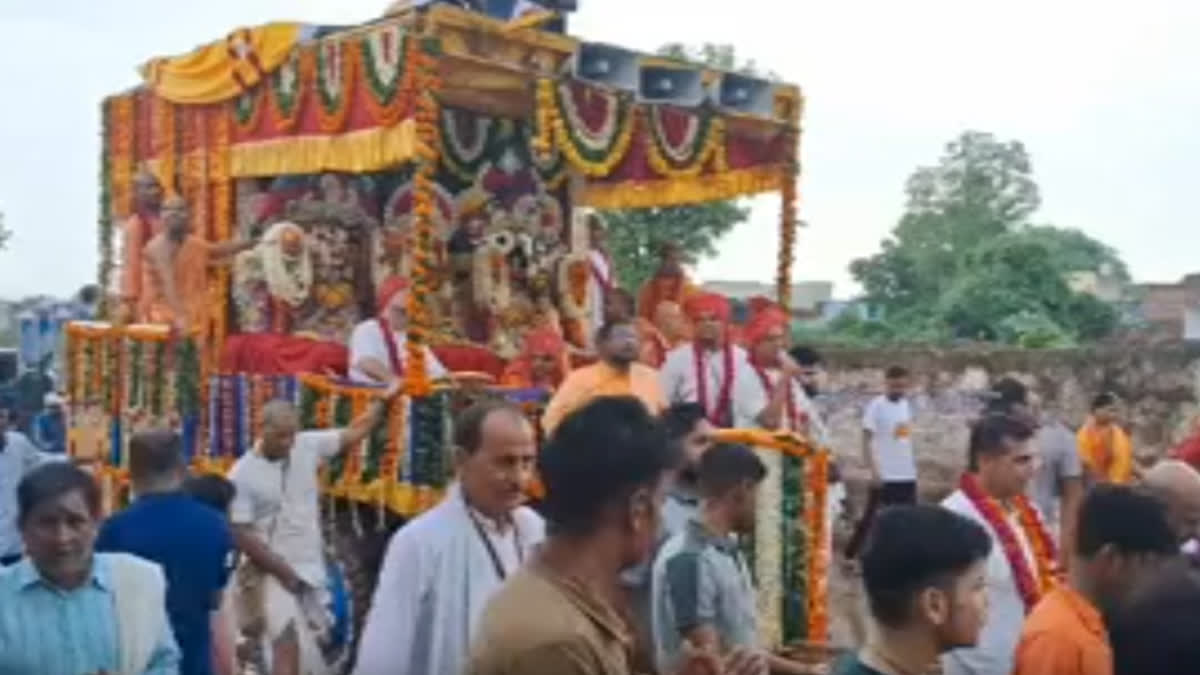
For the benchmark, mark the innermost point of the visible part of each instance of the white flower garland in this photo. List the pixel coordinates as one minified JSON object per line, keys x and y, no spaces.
{"x":464,"y":152}
{"x":288,"y":279}
{"x":768,"y":552}
{"x":595,"y":140}
{"x":685,"y":152}
{"x":330,"y":66}
{"x":384,"y":62}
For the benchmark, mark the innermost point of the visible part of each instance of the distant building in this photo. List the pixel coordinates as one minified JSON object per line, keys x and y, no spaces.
{"x":1173,"y":309}
{"x":808,"y":297}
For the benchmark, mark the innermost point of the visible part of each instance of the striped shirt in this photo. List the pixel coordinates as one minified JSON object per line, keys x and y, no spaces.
{"x":48,"y":631}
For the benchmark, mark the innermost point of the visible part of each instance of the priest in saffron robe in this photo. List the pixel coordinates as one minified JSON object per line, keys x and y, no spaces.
{"x":542,"y":363}
{"x":139,"y":228}
{"x":441,"y":568}
{"x":768,"y":393}
{"x":670,"y":282}
{"x":706,"y":369}
{"x":1104,"y":447}
{"x":175,"y":270}
{"x":1022,"y":565}
{"x":378,"y":346}
{"x":617,"y":373}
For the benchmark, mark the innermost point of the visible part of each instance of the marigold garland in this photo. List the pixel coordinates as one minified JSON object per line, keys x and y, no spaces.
{"x":818,"y":549}
{"x":595,"y":153}
{"x":787,"y":228}
{"x":1029,"y":586}
{"x":706,"y":142}
{"x":165,"y":143}
{"x":222,"y":217}
{"x":417,"y":382}
{"x":105,"y":220}
{"x":246,"y":110}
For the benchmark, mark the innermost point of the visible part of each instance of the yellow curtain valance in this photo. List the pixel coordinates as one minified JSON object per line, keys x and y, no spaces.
{"x":683,"y":190}
{"x":355,"y":152}
{"x":221,"y":70}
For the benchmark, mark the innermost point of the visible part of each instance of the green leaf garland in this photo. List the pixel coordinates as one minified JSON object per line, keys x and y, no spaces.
{"x":594,"y":146}
{"x":383,"y":86}
{"x":105,"y":222}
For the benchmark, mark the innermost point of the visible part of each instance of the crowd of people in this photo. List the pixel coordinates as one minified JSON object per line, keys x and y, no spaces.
{"x":1054,"y":554}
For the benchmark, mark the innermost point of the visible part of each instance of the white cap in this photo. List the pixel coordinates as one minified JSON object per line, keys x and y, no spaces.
{"x":52,"y":399}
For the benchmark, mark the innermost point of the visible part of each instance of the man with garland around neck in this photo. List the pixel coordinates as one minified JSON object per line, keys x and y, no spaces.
{"x":1022,"y":565}
{"x":442,"y":567}
{"x":706,"y":369}
{"x":379,"y":345}
{"x":139,"y":228}
{"x":769,"y":393}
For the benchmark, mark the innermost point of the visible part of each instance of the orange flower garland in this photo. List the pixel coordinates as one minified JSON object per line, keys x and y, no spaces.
{"x":1041,"y":543}
{"x":392,"y":111}
{"x":284,"y":117}
{"x":714,"y":147}
{"x":165,"y":137}
{"x":818,"y":554}
{"x":787,"y":228}
{"x":332,"y":99}
{"x":222,"y":217}
{"x":416,"y":374}
{"x":389,"y":465}
{"x":121,"y":148}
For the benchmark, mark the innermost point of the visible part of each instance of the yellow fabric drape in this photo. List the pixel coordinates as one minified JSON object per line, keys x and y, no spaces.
{"x":221,"y":70}
{"x":684,"y":190}
{"x":355,"y":152}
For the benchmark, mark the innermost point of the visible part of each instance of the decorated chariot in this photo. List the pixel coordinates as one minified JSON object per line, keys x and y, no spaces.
{"x":449,"y":148}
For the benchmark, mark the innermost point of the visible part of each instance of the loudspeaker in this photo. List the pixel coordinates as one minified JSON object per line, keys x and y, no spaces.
{"x":660,"y":82}
{"x":744,"y":95}
{"x":606,"y":65}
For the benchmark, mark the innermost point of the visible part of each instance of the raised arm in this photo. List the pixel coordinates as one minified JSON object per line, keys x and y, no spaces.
{"x":221,"y":253}
{"x":361,"y":426}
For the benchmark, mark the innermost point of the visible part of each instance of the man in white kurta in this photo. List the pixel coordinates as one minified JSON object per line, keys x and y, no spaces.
{"x":1003,"y":461}
{"x":379,"y":345}
{"x":276,"y":518}
{"x":705,"y":371}
{"x":442,"y":568}
{"x":602,"y":278}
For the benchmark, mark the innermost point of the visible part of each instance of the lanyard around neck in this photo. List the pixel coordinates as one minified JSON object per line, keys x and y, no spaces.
{"x":497,"y":565}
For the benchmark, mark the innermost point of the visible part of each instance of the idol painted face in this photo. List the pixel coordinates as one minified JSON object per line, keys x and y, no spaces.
{"x":58,"y":536}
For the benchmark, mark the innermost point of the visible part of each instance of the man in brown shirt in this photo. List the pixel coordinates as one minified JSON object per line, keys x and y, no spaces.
{"x":606,"y":471}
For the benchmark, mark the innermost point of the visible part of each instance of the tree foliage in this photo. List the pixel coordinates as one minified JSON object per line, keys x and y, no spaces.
{"x":964,"y":263}
{"x":635,"y":235}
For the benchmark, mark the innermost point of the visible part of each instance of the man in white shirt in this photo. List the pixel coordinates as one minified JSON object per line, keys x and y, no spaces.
{"x":887,"y":451}
{"x":706,"y":369}
{"x":18,"y":458}
{"x":992,"y":493}
{"x":441,"y":568}
{"x":276,"y":520}
{"x":767,"y":393}
{"x":379,"y":345}
{"x":603,"y":279}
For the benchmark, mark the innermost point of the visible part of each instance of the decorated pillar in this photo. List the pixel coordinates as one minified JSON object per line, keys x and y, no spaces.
{"x":423,"y":61}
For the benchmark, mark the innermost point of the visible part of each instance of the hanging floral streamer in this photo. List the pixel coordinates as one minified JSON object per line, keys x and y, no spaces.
{"x":287,"y":87}
{"x":818,"y":548}
{"x":593,"y":146}
{"x":703,"y":140}
{"x":382,"y":55}
{"x":165,"y":136}
{"x":425,"y":63}
{"x":222,"y":216}
{"x":334,"y":64}
{"x":787,"y":228}
{"x":465,"y":156}
{"x":105,"y":221}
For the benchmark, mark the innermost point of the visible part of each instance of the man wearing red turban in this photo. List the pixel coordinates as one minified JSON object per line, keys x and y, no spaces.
{"x":772,"y":397}
{"x":542,"y":363}
{"x":705,"y":370}
{"x":378,"y":345}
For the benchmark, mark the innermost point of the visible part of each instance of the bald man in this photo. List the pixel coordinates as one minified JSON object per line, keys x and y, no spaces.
{"x":276,"y":522}
{"x":1178,"y":484}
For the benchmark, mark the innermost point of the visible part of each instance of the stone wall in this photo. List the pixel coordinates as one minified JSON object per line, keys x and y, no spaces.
{"x":1160,"y":387}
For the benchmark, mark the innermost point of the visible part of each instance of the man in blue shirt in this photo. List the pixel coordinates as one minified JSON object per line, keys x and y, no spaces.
{"x":191,"y":542}
{"x":66,"y":610}
{"x":50,"y":427}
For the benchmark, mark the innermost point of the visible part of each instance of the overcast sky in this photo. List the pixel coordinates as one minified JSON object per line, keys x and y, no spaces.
{"x":1105,"y":95}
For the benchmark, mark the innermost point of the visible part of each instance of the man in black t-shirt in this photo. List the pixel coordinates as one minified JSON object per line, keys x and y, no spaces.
{"x":923,"y":570}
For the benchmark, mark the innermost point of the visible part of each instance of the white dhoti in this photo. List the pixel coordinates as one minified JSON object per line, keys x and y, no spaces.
{"x":307,"y":614}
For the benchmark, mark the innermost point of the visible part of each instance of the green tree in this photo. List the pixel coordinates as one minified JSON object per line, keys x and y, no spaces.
{"x":964,"y":263}
{"x":635,"y":235}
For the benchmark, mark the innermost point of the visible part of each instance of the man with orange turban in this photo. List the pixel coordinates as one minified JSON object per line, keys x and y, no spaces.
{"x":772,"y":396}
{"x":542,"y":363}
{"x":705,"y":370}
{"x":378,"y":345}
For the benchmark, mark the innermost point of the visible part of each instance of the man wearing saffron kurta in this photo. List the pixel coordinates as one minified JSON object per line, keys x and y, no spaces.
{"x":1104,"y":446}
{"x":670,"y":282}
{"x":1123,"y":537}
{"x":616,"y":374}
{"x":139,"y":228}
{"x":379,"y":345}
{"x":542,"y":363}
{"x":176,"y":269}
{"x":1021,"y":566}
{"x":706,"y":369}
